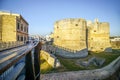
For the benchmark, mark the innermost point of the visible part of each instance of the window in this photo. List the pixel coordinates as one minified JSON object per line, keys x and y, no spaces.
{"x":24,"y":28}
{"x":18,"y":26}
{"x":18,"y":38}
{"x":24,"y":38}
{"x":21,"y":38}
{"x":21,"y":27}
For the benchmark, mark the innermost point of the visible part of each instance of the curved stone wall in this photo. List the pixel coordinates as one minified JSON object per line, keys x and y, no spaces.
{"x":77,"y":35}
{"x":99,"y":36}
{"x":67,"y":53}
{"x":70,"y":34}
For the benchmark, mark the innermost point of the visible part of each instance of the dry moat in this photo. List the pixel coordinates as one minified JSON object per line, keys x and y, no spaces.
{"x":81,"y":63}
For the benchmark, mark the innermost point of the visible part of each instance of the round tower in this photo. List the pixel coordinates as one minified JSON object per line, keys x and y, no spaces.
{"x":70,"y":38}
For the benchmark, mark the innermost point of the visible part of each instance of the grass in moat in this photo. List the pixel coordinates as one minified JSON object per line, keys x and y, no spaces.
{"x":44,"y":66}
{"x":72,"y":65}
{"x":109,"y":56}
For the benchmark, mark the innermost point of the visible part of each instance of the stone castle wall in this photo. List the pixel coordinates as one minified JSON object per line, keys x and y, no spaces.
{"x":98,"y":37}
{"x":50,"y":58}
{"x":70,"y":34}
{"x":77,"y":35}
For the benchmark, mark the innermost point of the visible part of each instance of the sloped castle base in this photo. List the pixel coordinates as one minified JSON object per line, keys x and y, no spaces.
{"x":68,"y":54}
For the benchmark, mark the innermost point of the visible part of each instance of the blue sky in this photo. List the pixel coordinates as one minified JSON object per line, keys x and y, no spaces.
{"x":42,"y":14}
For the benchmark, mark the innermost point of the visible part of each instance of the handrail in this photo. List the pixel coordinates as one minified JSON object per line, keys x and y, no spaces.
{"x":16,"y":71}
{"x":6,"y":64}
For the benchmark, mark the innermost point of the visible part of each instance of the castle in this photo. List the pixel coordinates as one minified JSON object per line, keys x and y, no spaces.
{"x":75,"y":37}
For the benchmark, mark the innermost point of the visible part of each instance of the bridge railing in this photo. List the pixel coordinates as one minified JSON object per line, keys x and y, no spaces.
{"x":8,"y":45}
{"x":24,"y":66}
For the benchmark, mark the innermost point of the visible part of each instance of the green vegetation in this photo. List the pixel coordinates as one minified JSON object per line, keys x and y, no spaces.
{"x":69,"y":64}
{"x":72,"y":65}
{"x":109,"y":57}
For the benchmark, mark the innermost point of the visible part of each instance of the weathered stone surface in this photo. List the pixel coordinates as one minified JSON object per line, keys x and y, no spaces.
{"x":115,"y":44}
{"x":94,"y":60}
{"x":70,"y":34}
{"x":76,"y":35}
{"x":98,"y":36}
{"x":50,"y":58}
{"x":70,"y":38}
{"x":69,"y":54}
{"x":13,"y":27}
{"x":98,"y":61}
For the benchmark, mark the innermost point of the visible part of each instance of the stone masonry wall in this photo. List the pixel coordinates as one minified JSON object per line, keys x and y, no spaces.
{"x":98,"y":36}
{"x":77,"y":35}
{"x":48,"y":57}
{"x":70,"y":34}
{"x":8,"y":28}
{"x":115,"y":44}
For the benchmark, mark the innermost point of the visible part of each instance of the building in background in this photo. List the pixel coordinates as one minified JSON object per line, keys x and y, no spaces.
{"x":115,"y":38}
{"x":13,"y":27}
{"x":115,"y":42}
{"x":36,"y":38}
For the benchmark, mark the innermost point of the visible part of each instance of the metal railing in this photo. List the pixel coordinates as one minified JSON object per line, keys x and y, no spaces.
{"x":24,"y":66}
